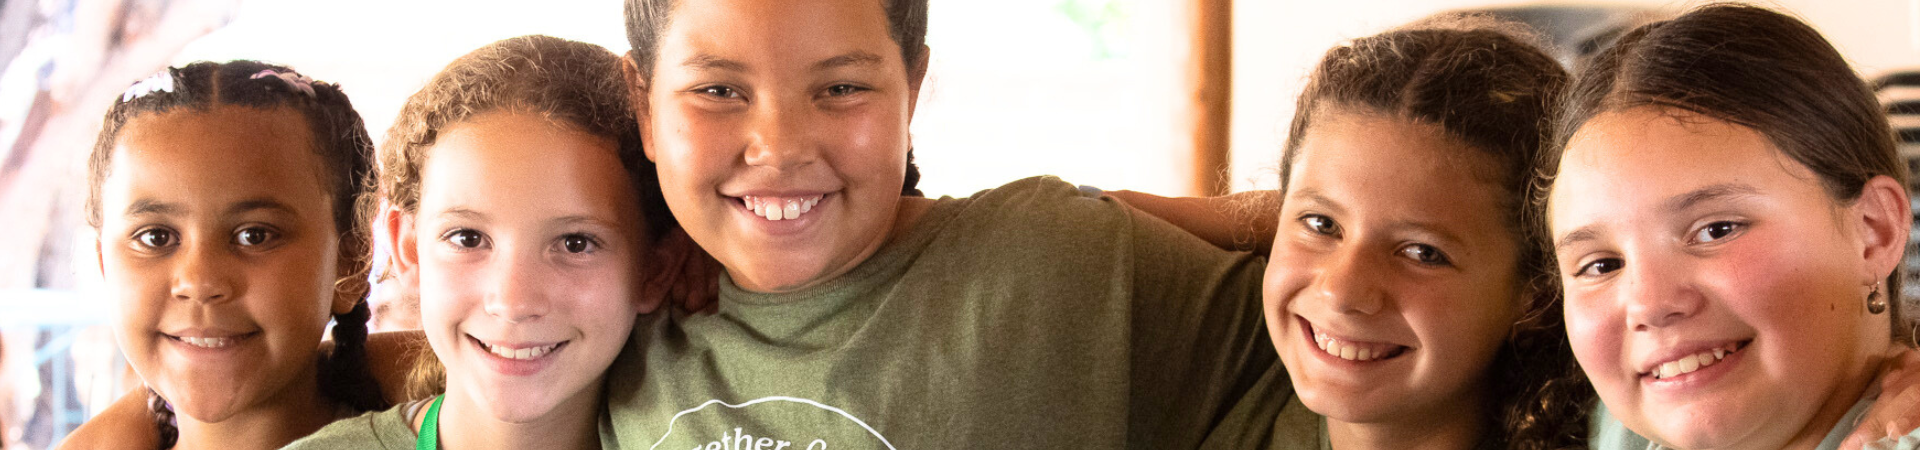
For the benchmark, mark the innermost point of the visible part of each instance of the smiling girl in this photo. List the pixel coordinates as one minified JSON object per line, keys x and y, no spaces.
{"x":851,"y":316}
{"x":520,"y":211}
{"x":1403,"y":291}
{"x":228,"y":198}
{"x":1728,"y":213}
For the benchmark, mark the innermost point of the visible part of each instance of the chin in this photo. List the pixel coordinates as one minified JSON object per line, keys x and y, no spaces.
{"x":520,"y":409}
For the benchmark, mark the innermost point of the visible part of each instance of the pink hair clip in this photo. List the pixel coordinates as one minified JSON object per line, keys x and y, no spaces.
{"x":293,"y":79}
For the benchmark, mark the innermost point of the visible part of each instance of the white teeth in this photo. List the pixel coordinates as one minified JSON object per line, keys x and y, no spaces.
{"x":1348,"y":350}
{"x":780,"y":208}
{"x":207,"y":342}
{"x":519,"y":353}
{"x":1690,"y":363}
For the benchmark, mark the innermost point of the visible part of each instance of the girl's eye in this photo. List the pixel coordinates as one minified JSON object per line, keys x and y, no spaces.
{"x":1321,"y":225}
{"x":1425,"y":254}
{"x":718,"y":92}
{"x":1716,"y":231}
{"x":465,"y":239}
{"x":155,"y":238}
{"x":1599,"y":267}
{"x":254,"y":236}
{"x":842,"y":90}
{"x":578,"y":243}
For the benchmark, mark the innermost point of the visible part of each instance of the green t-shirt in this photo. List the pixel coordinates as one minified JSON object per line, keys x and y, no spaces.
{"x":1609,"y":434}
{"x":1027,"y":316}
{"x":386,"y":430}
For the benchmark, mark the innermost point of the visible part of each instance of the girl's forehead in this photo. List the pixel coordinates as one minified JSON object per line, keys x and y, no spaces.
{"x":525,"y":164}
{"x":225,"y":151}
{"x":744,"y":35}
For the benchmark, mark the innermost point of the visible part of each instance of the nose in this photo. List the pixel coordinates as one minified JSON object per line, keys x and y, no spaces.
{"x":204,"y":274}
{"x":1348,"y":283}
{"x":1657,"y":294}
{"x":778,"y":135}
{"x":518,"y":291}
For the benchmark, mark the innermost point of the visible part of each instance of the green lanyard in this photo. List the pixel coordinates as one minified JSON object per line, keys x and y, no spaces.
{"x":430,"y":427}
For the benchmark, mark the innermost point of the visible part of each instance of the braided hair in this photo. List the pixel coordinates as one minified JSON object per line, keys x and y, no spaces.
{"x":346,"y":156}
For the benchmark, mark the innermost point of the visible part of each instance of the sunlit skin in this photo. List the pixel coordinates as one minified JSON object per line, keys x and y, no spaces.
{"x":1389,"y":238}
{"x":1677,"y":233}
{"x":805,"y":101}
{"x":528,"y":238}
{"x":217,"y":228}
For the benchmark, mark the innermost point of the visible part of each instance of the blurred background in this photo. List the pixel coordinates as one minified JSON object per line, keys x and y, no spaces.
{"x":1172,"y":97}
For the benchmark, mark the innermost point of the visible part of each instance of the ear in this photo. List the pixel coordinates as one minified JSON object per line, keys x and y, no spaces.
{"x":917,"y":76}
{"x":398,"y":225}
{"x":1885,"y":218}
{"x":99,"y":258}
{"x":637,"y":96}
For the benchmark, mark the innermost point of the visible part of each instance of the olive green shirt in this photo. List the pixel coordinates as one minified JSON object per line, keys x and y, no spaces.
{"x":1027,"y":316}
{"x":384,"y":430}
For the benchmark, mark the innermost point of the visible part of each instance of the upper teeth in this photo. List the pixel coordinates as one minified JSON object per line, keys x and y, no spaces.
{"x":1688,"y":364}
{"x":1352,"y":351}
{"x":207,"y":342}
{"x":519,"y":353}
{"x":780,"y":208}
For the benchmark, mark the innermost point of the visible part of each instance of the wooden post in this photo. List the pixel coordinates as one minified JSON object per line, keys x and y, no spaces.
{"x":1209,"y":81}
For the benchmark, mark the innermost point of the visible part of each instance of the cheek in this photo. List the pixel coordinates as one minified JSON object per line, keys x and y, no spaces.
{"x":444,"y":299}
{"x":876,"y":140}
{"x":1287,"y":273}
{"x":1595,"y":337}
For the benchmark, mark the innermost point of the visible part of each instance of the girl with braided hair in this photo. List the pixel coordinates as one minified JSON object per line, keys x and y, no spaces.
{"x":230,"y":202}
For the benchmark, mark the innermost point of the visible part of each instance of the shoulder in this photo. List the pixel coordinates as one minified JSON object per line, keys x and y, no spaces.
{"x":374,"y":430}
{"x":1043,"y":206}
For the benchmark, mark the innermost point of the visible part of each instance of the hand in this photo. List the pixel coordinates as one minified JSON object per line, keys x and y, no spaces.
{"x":683,"y":274}
{"x":1897,"y":411}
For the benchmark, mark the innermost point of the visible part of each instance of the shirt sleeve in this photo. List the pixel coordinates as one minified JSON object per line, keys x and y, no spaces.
{"x":1200,"y":339}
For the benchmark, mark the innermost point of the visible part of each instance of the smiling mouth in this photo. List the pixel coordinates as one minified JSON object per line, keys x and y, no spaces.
{"x":1350,"y":350}
{"x":210,"y":342}
{"x":520,"y":354}
{"x":1694,"y":362}
{"x":780,"y":208}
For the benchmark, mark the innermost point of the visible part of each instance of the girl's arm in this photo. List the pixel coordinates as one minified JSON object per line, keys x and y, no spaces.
{"x":125,"y":424}
{"x":1243,"y":221}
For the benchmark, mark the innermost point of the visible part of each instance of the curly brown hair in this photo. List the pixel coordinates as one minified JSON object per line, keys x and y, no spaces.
{"x":573,"y":84}
{"x":1482,"y":81}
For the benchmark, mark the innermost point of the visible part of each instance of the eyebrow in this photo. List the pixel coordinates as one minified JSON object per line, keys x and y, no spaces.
{"x":1578,"y":235}
{"x":583,"y":220}
{"x":1705,"y":194}
{"x":260,"y":204}
{"x":710,"y":62}
{"x":145,"y":207}
{"x":856,"y":58}
{"x":461,"y":213}
{"x":1314,"y":196}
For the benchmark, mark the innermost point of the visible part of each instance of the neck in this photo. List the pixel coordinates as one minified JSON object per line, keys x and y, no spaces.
{"x":1836,"y":406}
{"x":466,"y":425}
{"x":1460,"y":427}
{"x":296,"y":411}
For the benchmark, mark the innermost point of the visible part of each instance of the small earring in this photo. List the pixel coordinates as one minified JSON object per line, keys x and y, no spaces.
{"x":1875,"y":303}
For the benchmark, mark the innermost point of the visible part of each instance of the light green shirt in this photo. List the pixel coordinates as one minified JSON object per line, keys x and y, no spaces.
{"x":1610,"y":434}
{"x":1027,"y":316}
{"x":386,"y":430}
